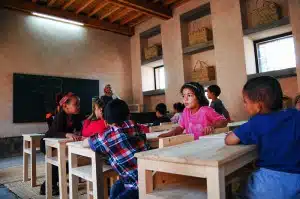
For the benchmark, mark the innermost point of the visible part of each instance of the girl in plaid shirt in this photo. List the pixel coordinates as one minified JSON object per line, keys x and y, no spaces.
{"x":120,"y":141}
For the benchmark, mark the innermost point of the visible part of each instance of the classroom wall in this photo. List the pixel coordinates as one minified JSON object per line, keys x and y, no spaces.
{"x":35,"y":45}
{"x":232,"y":53}
{"x":151,"y":102}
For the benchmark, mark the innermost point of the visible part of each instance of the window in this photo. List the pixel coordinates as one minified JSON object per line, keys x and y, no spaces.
{"x":275,"y":53}
{"x":159,"y":77}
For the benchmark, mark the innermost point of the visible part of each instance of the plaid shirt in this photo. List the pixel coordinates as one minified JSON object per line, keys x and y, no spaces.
{"x":120,"y":143}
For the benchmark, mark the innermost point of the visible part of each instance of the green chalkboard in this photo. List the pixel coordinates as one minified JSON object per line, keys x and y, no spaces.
{"x":34,"y":95}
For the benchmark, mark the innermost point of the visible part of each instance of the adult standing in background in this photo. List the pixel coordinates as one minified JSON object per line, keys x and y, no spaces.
{"x":108,"y":94}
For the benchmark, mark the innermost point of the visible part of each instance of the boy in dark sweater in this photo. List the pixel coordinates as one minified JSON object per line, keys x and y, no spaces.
{"x":161,"y":111}
{"x":213,"y":92}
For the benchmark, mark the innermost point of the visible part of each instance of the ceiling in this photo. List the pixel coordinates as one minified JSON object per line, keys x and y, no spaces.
{"x":119,"y":16}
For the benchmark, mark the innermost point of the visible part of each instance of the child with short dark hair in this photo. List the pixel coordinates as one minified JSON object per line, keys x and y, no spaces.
{"x":197,"y":118}
{"x":95,"y":123}
{"x":178,"y":109}
{"x":161,"y":111}
{"x":213,"y":92}
{"x":276,"y":133}
{"x":120,"y":141}
{"x":297,"y":102}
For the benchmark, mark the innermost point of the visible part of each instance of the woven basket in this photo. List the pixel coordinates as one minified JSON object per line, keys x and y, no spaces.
{"x":152,"y":51}
{"x":204,"y":72}
{"x":199,"y":35}
{"x":265,"y":14}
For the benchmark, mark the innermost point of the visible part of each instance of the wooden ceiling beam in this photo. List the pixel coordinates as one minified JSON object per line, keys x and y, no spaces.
{"x":98,"y":8}
{"x":30,"y":7}
{"x":70,"y":2}
{"x":168,"y":2}
{"x":51,"y":2}
{"x":119,"y":15}
{"x":179,"y":3}
{"x":139,"y":21}
{"x":111,"y":11}
{"x":130,"y":18}
{"x":145,"y":7}
{"x":84,"y":6}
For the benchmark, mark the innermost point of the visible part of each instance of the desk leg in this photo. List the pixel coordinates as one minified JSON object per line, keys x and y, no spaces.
{"x":48,"y":173}
{"x":145,"y":179}
{"x":73,"y":179}
{"x":89,"y":187}
{"x":98,"y":179}
{"x":25,"y":160}
{"x":62,"y":172}
{"x":33,"y":162}
{"x":215,"y":183}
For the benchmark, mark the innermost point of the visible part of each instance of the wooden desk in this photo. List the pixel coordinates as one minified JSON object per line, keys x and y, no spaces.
{"x":153,"y":139}
{"x":204,"y":158}
{"x":234,"y":125}
{"x":96,"y":173}
{"x":30,"y":144}
{"x":60,"y":161}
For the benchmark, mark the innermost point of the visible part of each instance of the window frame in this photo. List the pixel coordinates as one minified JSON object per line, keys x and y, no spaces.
{"x":266,"y":40}
{"x":154,"y":69}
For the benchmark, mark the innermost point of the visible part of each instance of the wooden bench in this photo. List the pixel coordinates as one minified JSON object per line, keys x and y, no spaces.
{"x":175,"y":140}
{"x":59,"y":144}
{"x":97,"y":174}
{"x":31,"y":142}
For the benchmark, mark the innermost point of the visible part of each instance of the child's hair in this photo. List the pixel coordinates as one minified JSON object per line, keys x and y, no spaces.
{"x":297,"y":98}
{"x":198,"y":91}
{"x":161,"y":108}
{"x":178,"y":107}
{"x":215,"y":89}
{"x":265,"y":89}
{"x":116,"y":111}
{"x":99,"y":102}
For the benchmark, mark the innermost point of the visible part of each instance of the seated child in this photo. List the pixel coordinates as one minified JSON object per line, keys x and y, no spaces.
{"x":95,"y":122}
{"x":178,"y":109}
{"x":197,"y":118}
{"x":297,"y":102}
{"x":276,"y":133}
{"x":213,"y":92}
{"x":161,"y":111}
{"x":65,"y":125}
{"x":121,"y":140}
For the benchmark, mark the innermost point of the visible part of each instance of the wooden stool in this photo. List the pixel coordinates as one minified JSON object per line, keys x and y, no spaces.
{"x":60,"y":161}
{"x":96,"y":174}
{"x":30,"y":144}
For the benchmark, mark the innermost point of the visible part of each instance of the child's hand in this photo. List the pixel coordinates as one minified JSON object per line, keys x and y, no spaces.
{"x":208,"y":130}
{"x":73,"y":137}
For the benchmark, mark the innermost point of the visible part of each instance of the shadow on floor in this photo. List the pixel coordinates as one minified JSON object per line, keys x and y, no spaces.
{"x":7,"y":194}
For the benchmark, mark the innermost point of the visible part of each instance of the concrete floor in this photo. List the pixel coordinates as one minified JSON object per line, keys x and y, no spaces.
{"x":18,"y":161}
{"x":6,"y":194}
{"x":14,"y":162}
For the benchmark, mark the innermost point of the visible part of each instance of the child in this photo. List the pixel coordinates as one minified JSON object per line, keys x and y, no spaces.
{"x":213,"y":92}
{"x":178,"y":109}
{"x":161,"y":111}
{"x":197,"y":118}
{"x":276,"y":133}
{"x":120,"y":142}
{"x":95,"y":122}
{"x":63,"y":126}
{"x":297,"y":102}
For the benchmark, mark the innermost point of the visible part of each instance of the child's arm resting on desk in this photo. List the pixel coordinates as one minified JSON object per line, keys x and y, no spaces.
{"x":246,"y":134}
{"x":177,"y":131}
{"x":232,"y":139}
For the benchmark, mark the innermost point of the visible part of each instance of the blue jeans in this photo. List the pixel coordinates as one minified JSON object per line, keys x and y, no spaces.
{"x":270,"y":184}
{"x":118,"y":191}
